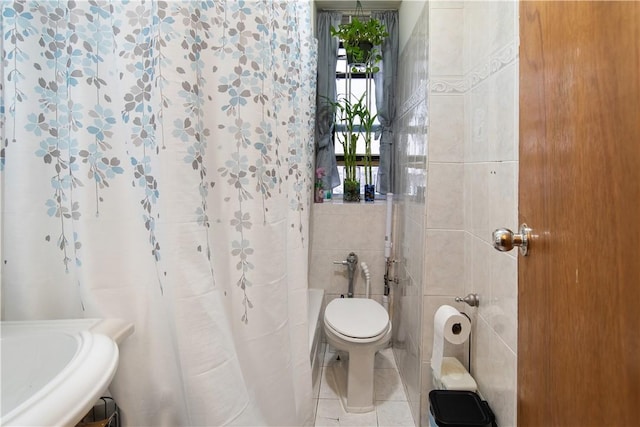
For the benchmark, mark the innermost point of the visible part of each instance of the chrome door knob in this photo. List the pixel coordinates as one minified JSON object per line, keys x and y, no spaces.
{"x":504,"y":239}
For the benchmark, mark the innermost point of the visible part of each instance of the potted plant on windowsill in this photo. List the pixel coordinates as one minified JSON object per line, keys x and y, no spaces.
{"x":367,"y":121}
{"x":350,"y":114}
{"x":359,"y":37}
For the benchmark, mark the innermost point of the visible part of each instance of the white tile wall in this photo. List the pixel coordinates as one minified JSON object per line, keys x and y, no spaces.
{"x":339,"y":228}
{"x":447,"y":128}
{"x":445,"y":196}
{"x":445,"y":45}
{"x":491,"y":195}
{"x":502,"y":312}
{"x":493,"y":123}
{"x":412,"y":178}
{"x":444,"y":262}
{"x":488,"y":26}
{"x":494,"y":368}
{"x":466,"y":187}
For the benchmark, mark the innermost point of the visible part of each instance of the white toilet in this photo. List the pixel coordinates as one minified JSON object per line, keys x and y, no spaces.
{"x":361,"y":327}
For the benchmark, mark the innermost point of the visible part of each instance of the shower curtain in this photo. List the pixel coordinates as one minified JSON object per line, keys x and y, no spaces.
{"x":157,"y":167}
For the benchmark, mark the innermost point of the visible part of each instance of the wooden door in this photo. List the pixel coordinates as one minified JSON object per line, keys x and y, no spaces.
{"x":579,"y":289}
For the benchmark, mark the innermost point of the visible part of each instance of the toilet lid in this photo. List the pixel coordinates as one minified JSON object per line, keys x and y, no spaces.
{"x":356,"y":317}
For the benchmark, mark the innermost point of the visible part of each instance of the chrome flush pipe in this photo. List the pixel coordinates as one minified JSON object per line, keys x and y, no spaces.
{"x":350,"y":262}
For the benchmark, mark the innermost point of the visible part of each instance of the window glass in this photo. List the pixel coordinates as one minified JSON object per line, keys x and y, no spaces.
{"x":358,"y":88}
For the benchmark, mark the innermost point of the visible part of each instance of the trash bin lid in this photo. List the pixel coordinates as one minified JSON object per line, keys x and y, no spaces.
{"x":453,"y":408}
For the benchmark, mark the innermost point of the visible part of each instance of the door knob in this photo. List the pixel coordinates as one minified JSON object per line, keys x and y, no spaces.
{"x":504,"y":239}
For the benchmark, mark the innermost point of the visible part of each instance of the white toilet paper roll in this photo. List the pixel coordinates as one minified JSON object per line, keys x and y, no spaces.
{"x":448,"y":324}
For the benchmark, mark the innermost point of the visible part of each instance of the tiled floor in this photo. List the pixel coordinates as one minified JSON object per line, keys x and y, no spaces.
{"x":392,"y":408}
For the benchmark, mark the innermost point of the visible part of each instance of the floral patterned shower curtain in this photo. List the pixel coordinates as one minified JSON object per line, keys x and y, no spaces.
{"x":157,"y":167}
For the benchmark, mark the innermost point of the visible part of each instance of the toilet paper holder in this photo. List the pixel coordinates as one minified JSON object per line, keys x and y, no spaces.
{"x":472,"y":299}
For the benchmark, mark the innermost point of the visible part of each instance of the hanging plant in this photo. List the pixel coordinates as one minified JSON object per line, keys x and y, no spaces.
{"x":359,"y":37}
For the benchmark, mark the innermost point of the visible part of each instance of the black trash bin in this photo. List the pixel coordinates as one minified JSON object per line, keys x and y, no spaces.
{"x":452,"y":408}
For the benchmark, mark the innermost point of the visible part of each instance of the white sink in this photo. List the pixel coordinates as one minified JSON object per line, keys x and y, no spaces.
{"x":54,"y":371}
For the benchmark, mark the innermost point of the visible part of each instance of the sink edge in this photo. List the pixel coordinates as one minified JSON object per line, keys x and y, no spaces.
{"x":46,"y":407}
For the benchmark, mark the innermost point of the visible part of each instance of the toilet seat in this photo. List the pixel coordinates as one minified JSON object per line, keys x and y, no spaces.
{"x":359,"y":319}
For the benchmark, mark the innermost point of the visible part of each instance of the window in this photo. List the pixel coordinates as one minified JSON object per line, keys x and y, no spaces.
{"x":359,"y":82}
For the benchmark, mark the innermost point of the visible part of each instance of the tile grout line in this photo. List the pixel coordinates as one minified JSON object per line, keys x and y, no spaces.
{"x":378,"y":402}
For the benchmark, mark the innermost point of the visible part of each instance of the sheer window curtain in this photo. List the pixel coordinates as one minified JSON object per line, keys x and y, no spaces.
{"x":327,"y":61}
{"x":385,"y":82}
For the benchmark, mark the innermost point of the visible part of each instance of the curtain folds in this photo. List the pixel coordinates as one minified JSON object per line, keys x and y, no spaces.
{"x":327,"y":61}
{"x":385,"y":83}
{"x":157,"y":166}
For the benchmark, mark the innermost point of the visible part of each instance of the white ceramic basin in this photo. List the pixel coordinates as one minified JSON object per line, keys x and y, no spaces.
{"x":53,"y":372}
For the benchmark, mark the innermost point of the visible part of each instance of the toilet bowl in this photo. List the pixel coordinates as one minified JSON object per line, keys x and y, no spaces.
{"x":360,"y":327}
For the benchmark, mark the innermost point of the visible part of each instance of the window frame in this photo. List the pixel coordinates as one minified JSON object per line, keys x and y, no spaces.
{"x":342,"y":75}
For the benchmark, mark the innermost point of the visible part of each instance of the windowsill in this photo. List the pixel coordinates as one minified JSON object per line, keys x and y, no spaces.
{"x":340,"y":201}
